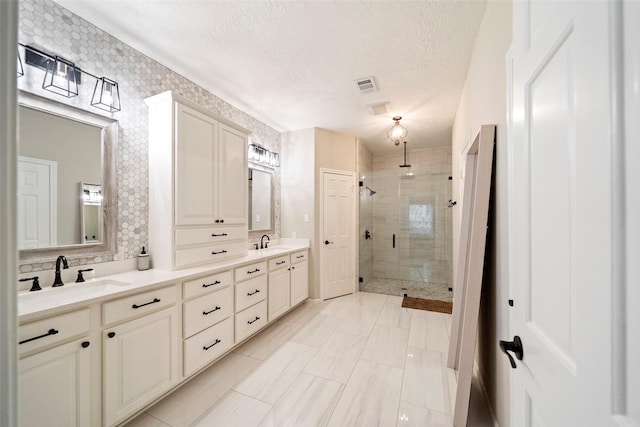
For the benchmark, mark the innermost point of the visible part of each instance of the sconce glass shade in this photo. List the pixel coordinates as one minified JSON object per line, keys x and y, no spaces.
{"x":261,"y":155}
{"x":19,"y":66}
{"x":397,"y":133}
{"x":106,"y":95}
{"x":60,"y":77}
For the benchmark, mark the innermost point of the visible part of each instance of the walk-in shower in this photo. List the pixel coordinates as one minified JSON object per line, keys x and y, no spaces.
{"x":408,"y":249}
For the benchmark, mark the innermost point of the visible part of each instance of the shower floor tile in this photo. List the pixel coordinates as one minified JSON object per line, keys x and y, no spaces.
{"x":429,"y":290}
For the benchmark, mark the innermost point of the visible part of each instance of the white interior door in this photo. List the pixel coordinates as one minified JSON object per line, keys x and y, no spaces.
{"x":338,"y":231}
{"x":37,"y":183}
{"x":562,"y":209}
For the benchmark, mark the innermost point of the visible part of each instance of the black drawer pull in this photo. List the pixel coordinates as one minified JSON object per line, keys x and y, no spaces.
{"x":206,"y":313}
{"x":281,"y":262}
{"x":300,"y":256}
{"x":219,"y":235}
{"x":206,"y":285}
{"x":155,"y":300}
{"x":253,"y":321}
{"x":207,"y":347}
{"x":51,"y":332}
{"x":253,"y":271}
{"x":224,"y":251}
{"x":111,"y":334}
{"x":253,"y":293}
{"x":85,"y":344}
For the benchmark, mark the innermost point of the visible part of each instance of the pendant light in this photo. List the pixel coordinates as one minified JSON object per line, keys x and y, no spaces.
{"x":106,"y":95}
{"x":60,"y":77}
{"x":397,"y":133}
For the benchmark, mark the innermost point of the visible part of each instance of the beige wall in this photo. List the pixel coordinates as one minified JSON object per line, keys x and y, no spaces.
{"x":304,"y":152}
{"x":483,"y":101}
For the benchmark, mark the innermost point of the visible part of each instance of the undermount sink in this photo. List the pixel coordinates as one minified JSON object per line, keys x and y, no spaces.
{"x":69,"y":293}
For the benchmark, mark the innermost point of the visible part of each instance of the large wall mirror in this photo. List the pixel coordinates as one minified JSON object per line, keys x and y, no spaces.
{"x":260,"y":199}
{"x":66,"y":180}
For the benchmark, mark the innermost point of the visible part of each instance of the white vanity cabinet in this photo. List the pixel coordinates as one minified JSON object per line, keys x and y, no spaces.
{"x":198,"y":179}
{"x":141,"y":351}
{"x":207,"y":320}
{"x":250,"y":299}
{"x":299,"y":277}
{"x":55,"y":377}
{"x":279,"y":286}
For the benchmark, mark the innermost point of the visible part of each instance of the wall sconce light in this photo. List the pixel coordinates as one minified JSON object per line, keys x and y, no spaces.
{"x":397,"y":133}
{"x":262,"y":156}
{"x":19,"y":66}
{"x":63,"y":77}
{"x":106,"y":95}
{"x":60,"y":77}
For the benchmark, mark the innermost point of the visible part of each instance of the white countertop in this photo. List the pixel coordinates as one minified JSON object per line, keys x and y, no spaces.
{"x":49,"y":301}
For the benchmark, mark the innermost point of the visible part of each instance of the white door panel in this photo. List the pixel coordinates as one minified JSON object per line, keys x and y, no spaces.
{"x":37,"y":203}
{"x":561,"y":212}
{"x":338,"y":243}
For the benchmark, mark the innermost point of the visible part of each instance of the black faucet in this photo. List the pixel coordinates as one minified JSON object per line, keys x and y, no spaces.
{"x":264,"y":245}
{"x":58,"y":280}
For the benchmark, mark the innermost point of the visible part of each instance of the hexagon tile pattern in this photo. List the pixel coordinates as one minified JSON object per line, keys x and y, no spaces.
{"x":51,"y":28}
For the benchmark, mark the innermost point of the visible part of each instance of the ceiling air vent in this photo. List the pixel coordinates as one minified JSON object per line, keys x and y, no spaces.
{"x":366,"y":85}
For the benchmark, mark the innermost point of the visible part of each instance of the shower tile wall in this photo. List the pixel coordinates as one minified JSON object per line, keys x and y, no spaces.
{"x":414,"y":208}
{"x":365,"y":246}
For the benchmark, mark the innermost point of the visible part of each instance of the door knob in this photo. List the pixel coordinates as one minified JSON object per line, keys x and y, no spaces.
{"x":515,"y":346}
{"x":326,"y":242}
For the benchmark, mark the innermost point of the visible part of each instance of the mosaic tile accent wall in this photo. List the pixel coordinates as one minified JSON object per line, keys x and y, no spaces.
{"x":51,"y":28}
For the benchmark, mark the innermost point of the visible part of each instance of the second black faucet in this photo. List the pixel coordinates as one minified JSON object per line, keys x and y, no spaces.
{"x":58,"y":279}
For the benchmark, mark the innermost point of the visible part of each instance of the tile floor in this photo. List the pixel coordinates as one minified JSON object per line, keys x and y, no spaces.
{"x":428,"y":290}
{"x":358,"y":360}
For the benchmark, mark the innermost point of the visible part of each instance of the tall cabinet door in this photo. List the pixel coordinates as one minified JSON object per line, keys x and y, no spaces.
{"x":141,"y":360}
{"x":299,"y":282}
{"x":278,"y":293}
{"x":196,"y":160}
{"x":233,"y":178}
{"x":55,"y":387}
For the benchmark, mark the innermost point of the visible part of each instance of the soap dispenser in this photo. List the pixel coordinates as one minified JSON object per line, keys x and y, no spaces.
{"x":143,"y":260}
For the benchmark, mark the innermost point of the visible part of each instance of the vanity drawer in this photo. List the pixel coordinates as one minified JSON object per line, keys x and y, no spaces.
{"x":299,"y":256}
{"x":203,"y":285}
{"x":207,"y":310}
{"x":251,"y":270}
{"x":52,"y":330}
{"x":279,"y":262}
{"x":207,"y":346}
{"x":196,"y":236}
{"x":250,"y":320}
{"x":135,"y":305}
{"x":250,"y":292}
{"x":208,"y":254}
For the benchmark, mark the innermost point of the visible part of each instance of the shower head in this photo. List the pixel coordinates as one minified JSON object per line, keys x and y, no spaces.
{"x":371,"y":192}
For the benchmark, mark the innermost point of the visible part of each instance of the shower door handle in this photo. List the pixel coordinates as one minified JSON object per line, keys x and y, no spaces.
{"x":394,"y":241}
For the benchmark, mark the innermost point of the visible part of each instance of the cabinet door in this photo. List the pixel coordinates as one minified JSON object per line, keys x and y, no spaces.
{"x":233,"y":176}
{"x":299,"y":282}
{"x":196,"y":160}
{"x":278,"y":292}
{"x":141,"y":360}
{"x":55,"y":387}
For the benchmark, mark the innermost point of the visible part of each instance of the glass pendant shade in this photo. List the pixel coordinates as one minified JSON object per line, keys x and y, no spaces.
{"x":106,"y":95}
{"x":60,"y":77}
{"x":397,"y":133}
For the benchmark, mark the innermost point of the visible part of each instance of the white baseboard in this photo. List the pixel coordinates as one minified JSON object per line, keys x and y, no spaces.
{"x":485,"y":395}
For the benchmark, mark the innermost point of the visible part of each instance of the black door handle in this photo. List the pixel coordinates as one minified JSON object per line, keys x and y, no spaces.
{"x":394,"y":241}
{"x":515,"y":346}
{"x":326,"y":242}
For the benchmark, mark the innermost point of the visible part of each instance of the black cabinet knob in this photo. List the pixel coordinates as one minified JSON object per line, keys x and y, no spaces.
{"x":85,"y":344}
{"x":111,"y":334}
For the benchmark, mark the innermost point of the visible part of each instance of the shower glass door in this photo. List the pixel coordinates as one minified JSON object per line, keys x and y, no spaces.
{"x":409,"y":224}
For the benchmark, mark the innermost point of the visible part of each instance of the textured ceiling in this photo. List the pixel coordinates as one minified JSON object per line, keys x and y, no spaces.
{"x":292,"y":64}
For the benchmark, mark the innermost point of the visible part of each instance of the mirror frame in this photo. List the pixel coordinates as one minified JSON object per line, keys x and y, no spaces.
{"x":272,"y":173}
{"x":109,"y":158}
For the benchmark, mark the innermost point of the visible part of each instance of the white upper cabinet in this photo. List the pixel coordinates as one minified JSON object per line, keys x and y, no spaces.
{"x":232,"y":178}
{"x":196,"y":167}
{"x":198,"y":183}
